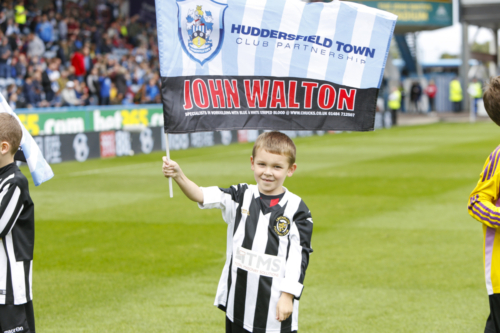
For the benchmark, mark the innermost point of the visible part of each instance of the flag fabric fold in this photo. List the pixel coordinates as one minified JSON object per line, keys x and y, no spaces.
{"x":271,"y":64}
{"x":39,"y":168}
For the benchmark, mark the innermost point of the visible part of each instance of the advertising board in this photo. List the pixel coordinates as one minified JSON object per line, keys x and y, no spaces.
{"x":88,"y":119}
{"x":417,"y":13}
{"x":79,"y":147}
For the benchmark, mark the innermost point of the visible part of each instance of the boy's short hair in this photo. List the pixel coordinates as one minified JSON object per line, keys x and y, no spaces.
{"x":10,"y":131}
{"x":276,"y":143}
{"x":491,"y":98}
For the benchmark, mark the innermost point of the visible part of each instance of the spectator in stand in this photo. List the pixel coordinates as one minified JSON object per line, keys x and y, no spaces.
{"x":14,"y":42}
{"x":415,"y":93}
{"x":62,"y":27}
{"x":30,"y":92}
{"x":73,"y":26}
{"x":456,"y":94}
{"x":68,"y":95}
{"x":45,"y":30}
{"x":5,"y":55}
{"x":59,"y":4}
{"x":120,"y":81}
{"x":12,"y":28}
{"x":82,"y":92}
{"x":93,"y":86}
{"x":21,"y":66}
{"x":63,"y":79}
{"x":107,"y":46}
{"x":3,"y":20}
{"x":36,"y":47}
{"x":49,"y":80}
{"x":71,"y":73}
{"x":105,"y":85}
{"x":87,"y":60}
{"x":431,"y":91}
{"x":152,"y":92}
{"x":63,"y":52}
{"x":78,"y":62}
{"x":13,"y":101}
{"x":20,"y":14}
{"x":133,"y":30}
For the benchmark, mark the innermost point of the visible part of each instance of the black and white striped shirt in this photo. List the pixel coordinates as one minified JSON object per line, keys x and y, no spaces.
{"x":17,"y":233}
{"x":267,"y":253}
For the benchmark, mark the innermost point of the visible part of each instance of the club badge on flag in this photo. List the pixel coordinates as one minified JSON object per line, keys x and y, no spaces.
{"x":271,"y":64}
{"x":201,"y":28}
{"x":39,"y":168}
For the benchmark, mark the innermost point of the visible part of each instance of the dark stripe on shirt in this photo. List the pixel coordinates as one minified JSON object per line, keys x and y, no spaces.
{"x":239,"y":200}
{"x":251,"y":228}
{"x":27,"y":279}
{"x":229,"y":281}
{"x":9,"y":298}
{"x":262,"y":304}
{"x":240,"y":294}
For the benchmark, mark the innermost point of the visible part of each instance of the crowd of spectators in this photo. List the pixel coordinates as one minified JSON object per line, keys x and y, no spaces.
{"x":81,"y":52}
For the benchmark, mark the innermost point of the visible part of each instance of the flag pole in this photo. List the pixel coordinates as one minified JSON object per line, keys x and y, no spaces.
{"x":168,"y":159}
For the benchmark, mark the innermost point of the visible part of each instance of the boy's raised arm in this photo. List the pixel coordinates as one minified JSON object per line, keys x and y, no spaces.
{"x":190,"y":189}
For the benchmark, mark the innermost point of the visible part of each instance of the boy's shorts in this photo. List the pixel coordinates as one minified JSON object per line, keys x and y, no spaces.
{"x":234,"y":328}
{"x":17,"y":318}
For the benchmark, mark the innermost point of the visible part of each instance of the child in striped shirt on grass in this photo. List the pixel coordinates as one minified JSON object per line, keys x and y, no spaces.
{"x":268,"y":239}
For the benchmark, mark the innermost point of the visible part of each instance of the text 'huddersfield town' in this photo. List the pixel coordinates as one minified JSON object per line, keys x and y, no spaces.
{"x":318,"y":40}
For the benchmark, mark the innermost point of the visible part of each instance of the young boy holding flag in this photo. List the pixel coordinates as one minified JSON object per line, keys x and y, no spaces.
{"x":268,"y":239}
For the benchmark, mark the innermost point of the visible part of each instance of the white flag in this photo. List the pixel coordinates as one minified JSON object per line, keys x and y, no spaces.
{"x":39,"y":168}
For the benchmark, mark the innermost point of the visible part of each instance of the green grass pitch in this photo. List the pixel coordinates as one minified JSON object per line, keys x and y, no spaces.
{"x":394,"y":247}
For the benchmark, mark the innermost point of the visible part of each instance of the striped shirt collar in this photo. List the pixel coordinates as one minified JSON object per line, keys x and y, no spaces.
{"x":8,"y":168}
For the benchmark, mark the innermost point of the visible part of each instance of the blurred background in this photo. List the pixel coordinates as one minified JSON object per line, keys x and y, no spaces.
{"x":394,"y":247}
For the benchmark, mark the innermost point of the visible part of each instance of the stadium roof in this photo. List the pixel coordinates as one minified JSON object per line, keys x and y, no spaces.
{"x":483,"y":13}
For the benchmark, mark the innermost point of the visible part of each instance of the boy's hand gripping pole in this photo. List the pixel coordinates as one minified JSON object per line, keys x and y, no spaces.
{"x":168,"y":159}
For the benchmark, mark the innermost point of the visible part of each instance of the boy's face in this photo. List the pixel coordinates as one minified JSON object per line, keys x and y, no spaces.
{"x":270,"y":171}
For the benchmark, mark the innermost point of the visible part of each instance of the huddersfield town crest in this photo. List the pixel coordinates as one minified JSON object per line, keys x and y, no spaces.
{"x":201,"y":28}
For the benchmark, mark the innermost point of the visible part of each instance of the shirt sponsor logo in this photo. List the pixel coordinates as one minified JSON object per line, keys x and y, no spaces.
{"x":14,"y":330}
{"x":259,"y":263}
{"x":282,"y":226}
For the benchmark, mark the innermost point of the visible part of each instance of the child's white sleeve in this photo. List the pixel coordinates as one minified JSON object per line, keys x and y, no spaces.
{"x":224,"y":199}
{"x":298,"y":255}
{"x":213,"y":197}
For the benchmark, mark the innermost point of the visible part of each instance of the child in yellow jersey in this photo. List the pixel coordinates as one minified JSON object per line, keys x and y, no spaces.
{"x":484,"y":206}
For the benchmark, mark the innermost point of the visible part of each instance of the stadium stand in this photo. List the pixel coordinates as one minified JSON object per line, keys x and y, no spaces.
{"x":67,"y":53}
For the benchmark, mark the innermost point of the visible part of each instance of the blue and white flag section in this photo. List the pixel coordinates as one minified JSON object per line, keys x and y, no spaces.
{"x":39,"y":168}
{"x":271,"y":64}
